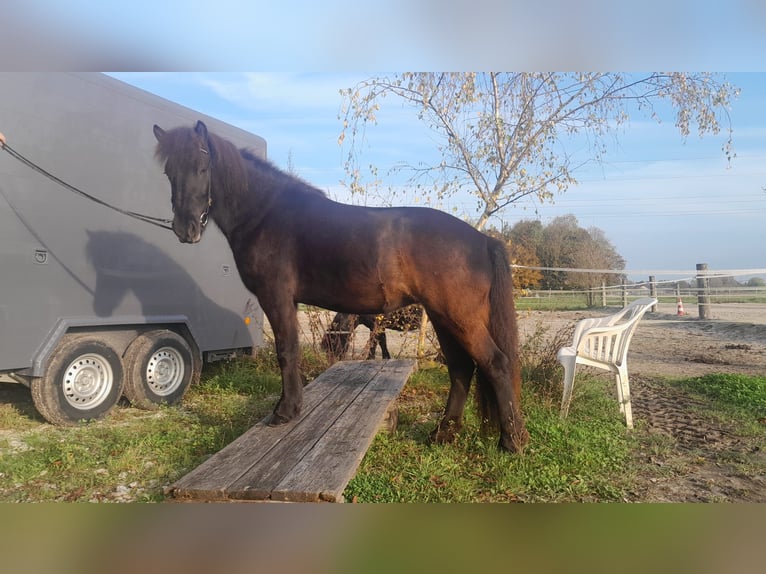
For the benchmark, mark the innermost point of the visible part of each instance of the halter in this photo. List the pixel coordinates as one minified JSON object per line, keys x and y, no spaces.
{"x":203,"y":216}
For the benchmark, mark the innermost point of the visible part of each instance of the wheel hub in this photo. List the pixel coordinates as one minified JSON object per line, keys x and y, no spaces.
{"x":165,"y":371}
{"x":88,"y":381}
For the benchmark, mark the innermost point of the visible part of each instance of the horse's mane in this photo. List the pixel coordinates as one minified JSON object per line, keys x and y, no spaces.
{"x":277,"y":175}
{"x":232,"y":163}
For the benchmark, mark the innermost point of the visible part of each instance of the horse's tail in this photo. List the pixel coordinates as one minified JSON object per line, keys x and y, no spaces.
{"x":504,"y":331}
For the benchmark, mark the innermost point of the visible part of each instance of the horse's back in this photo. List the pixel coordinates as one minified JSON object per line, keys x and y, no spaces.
{"x":438,"y":243}
{"x":368,"y":259}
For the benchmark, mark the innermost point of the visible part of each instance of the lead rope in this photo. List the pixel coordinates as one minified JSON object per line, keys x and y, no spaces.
{"x":159,"y":222}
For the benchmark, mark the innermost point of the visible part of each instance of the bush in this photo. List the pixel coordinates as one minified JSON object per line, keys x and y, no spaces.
{"x":540,"y":370}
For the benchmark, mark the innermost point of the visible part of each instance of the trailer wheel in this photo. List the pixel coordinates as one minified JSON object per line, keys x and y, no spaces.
{"x":159,"y":367}
{"x":83,"y":381}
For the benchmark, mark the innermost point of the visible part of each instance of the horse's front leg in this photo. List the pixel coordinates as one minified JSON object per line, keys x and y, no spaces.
{"x":284,"y":323}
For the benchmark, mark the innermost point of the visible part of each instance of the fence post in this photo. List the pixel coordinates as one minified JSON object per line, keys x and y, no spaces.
{"x":624,"y":294}
{"x":421,"y":351}
{"x":703,"y":296}
{"x":653,"y":291}
{"x":603,"y":293}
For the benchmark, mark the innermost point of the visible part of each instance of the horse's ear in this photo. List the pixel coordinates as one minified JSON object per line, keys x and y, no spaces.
{"x":159,"y":133}
{"x":201,"y":129}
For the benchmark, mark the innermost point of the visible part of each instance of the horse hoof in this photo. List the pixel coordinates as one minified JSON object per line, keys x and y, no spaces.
{"x":277,"y":420}
{"x":515,"y":444}
{"x":446,"y":435}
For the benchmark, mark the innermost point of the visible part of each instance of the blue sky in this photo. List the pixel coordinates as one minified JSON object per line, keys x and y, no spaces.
{"x":665,"y":202}
{"x":338,"y":35}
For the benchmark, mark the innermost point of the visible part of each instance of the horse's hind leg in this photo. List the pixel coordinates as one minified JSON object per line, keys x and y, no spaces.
{"x":498,"y":383}
{"x":461,"y":368}
{"x":501,"y":374}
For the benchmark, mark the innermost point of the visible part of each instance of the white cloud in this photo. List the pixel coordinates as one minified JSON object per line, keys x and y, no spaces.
{"x":283,"y":91}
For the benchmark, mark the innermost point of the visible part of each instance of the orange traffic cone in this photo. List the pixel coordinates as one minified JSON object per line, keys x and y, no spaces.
{"x":680,"y":308}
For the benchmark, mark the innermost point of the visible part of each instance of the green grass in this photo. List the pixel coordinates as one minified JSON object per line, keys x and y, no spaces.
{"x":134,"y":455}
{"x":742,"y":392}
{"x":582,"y":459}
{"x":577,"y":301}
{"x":573,"y":302}
{"x":736,"y":403}
{"x":739,"y":401}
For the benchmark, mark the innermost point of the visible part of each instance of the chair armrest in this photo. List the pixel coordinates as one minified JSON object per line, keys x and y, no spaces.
{"x":637,"y":307}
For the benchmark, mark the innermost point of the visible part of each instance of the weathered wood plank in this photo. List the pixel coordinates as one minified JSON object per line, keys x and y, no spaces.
{"x":326,"y":470}
{"x":260,"y":480}
{"x":313,"y":457}
{"x":211,"y":479}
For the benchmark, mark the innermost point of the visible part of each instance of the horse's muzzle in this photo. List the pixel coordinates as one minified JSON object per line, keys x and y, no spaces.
{"x":189,"y":233}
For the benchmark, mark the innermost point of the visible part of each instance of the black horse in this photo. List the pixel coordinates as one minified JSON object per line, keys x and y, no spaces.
{"x":292,"y":244}
{"x":337,"y":337}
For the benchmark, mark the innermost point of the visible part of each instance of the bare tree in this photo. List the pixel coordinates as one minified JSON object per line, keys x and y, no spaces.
{"x":504,"y":136}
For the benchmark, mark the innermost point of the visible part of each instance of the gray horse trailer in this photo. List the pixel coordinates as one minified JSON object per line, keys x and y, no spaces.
{"x":94,"y":303}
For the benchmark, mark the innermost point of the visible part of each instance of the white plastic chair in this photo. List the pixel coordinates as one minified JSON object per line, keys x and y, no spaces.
{"x":603,"y":343}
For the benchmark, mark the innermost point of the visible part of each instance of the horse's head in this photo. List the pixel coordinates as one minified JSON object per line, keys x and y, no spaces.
{"x":187,"y":156}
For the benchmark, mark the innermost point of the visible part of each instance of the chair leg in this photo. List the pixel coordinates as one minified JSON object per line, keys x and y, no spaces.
{"x":569,"y":376}
{"x":623,"y":392}
{"x":618,"y":384}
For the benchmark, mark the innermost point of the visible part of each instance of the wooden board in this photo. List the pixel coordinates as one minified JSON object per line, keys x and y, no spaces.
{"x":312,"y":458}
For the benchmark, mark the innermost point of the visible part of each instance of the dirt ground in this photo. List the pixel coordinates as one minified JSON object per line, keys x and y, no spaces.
{"x":696,"y":459}
{"x":732,"y":341}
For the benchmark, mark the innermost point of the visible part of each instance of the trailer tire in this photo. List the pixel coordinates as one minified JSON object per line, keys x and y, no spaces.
{"x":159,"y":367}
{"x":82,"y":381}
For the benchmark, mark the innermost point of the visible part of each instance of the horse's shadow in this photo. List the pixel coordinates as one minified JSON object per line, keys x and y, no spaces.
{"x":127,"y":264}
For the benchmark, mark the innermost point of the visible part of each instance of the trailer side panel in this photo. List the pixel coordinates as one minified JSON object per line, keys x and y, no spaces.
{"x":67,"y":259}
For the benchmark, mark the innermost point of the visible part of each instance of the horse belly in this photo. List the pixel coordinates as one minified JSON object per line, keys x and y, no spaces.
{"x":355,"y":294}
{"x":352,"y":285}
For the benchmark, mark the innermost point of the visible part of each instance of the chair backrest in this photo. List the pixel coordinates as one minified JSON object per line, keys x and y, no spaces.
{"x":606,"y":340}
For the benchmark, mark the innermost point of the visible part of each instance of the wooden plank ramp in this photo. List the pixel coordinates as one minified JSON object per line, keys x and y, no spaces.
{"x":313,"y":457}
